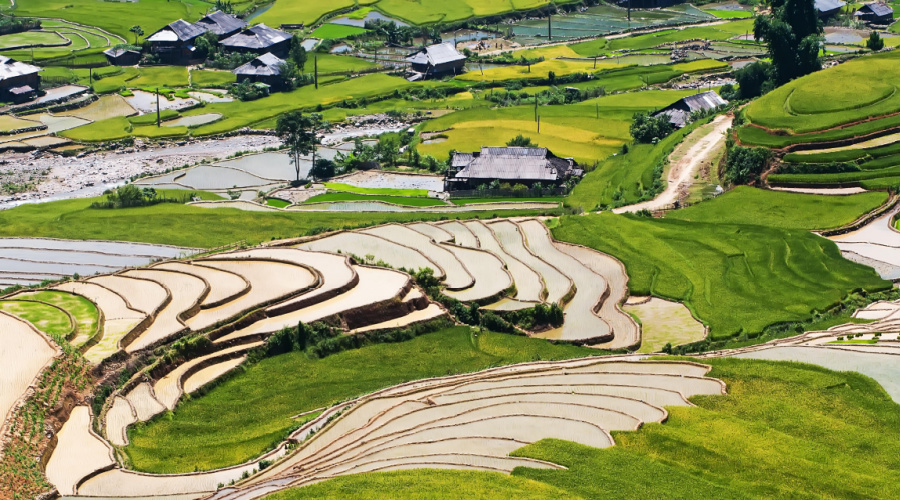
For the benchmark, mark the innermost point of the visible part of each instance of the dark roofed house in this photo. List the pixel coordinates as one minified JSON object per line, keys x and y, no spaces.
{"x":262,"y":69}
{"x":515,"y":165}
{"x":222,"y":24}
{"x":258,"y":40}
{"x":122,"y":56}
{"x":437,"y":60}
{"x":175,"y":42}
{"x":680,"y":111}
{"x":19,"y":82}
{"x":828,"y":8}
{"x":875,"y":13}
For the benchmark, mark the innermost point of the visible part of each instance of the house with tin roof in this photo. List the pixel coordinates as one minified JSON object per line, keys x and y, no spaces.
{"x":259,"y":39}
{"x":515,"y":165}
{"x":875,"y":13}
{"x":828,"y":8}
{"x":19,"y":82}
{"x":262,"y":69}
{"x":174,"y":43}
{"x":679,"y":112}
{"x":436,"y":61}
{"x":222,"y":24}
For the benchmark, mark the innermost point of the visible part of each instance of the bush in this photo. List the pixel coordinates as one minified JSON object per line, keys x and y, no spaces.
{"x":744,"y":165}
{"x":647,"y":129}
{"x":754,"y":79}
{"x":875,"y":43}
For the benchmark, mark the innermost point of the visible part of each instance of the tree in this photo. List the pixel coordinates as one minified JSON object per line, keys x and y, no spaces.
{"x":745,"y":165}
{"x":875,"y":43}
{"x":298,"y":132}
{"x":298,"y":53}
{"x":288,"y":75}
{"x":520,"y":141}
{"x":322,"y":169}
{"x":793,"y":35}
{"x":752,"y":79}
{"x":646,"y":128}
{"x":388,"y":149}
{"x":138,"y":31}
{"x":207,"y":45}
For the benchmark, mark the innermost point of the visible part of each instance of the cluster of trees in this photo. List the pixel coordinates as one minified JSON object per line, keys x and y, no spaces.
{"x":13,"y":24}
{"x":402,"y":35}
{"x":649,"y":129}
{"x":745,"y":165}
{"x":552,"y":96}
{"x":129,"y":196}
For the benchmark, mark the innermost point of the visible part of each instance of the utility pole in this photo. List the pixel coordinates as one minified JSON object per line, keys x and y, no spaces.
{"x":157,"y":107}
{"x":550,"y":27}
{"x":535,"y":107}
{"x":539,"y":125}
{"x":629,"y":13}
{"x":316,"y":70}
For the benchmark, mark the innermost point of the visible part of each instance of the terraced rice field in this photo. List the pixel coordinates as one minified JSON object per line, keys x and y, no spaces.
{"x":877,"y":244}
{"x":474,"y":421}
{"x":28,"y":261}
{"x":25,"y":353}
{"x":84,"y":313}
{"x":79,"y":452}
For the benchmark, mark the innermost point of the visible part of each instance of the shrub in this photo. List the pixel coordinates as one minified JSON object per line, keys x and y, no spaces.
{"x":875,"y":43}
{"x":744,"y":165}
{"x":648,"y":129}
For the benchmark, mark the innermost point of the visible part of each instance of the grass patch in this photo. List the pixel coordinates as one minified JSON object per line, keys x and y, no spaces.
{"x":83,"y":310}
{"x":335,"y":31}
{"x":245,"y":415}
{"x":351,"y":189}
{"x":333,"y":63}
{"x":277,"y":203}
{"x":785,"y":430}
{"x":397,"y":200}
{"x":734,"y":277}
{"x":860,"y":341}
{"x":302,"y":12}
{"x":814,"y":102}
{"x":185,"y":225}
{"x":729,"y":14}
{"x":779,"y":209}
{"x":45,"y":318}
{"x":540,"y":199}
{"x":205,"y":78}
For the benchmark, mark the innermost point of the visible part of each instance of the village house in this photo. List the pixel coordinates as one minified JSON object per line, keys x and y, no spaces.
{"x":828,"y":8}
{"x":258,"y":40}
{"x":222,"y":24}
{"x":514,"y":165}
{"x":875,"y":13}
{"x":174,"y":43}
{"x":679,"y":112}
{"x":262,"y":69}
{"x":122,"y":56}
{"x":436,"y":61}
{"x":19,"y":82}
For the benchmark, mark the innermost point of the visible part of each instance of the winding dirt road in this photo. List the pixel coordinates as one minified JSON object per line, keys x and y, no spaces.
{"x":692,"y":153}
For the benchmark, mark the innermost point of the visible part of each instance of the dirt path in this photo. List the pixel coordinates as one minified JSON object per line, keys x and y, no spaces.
{"x":682,"y":172}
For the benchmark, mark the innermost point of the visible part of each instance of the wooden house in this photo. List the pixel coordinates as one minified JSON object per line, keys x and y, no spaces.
{"x":174,"y":43}
{"x":437,"y":60}
{"x":875,"y":13}
{"x":262,"y":69}
{"x":679,"y":112}
{"x":259,"y":39}
{"x":515,"y":165}
{"x":19,"y":82}
{"x":122,"y":56}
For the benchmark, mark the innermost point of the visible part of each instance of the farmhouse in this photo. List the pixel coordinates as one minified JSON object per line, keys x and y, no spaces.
{"x":262,"y":69}
{"x":436,"y":61}
{"x":222,"y":24}
{"x":19,"y":82}
{"x":514,"y":165}
{"x":175,"y":41}
{"x":259,"y":40}
{"x":828,"y":8}
{"x":679,"y":112}
{"x":875,"y":13}
{"x":122,"y":56}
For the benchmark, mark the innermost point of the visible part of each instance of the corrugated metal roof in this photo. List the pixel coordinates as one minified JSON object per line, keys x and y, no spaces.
{"x":264,"y":65}
{"x":527,"y":164}
{"x":877,"y":8}
{"x":221,"y":23}
{"x":257,"y":37}
{"x":704,"y":101}
{"x":440,"y":53}
{"x":116,"y":52}
{"x":829,"y":5}
{"x":185,"y":30}
{"x":10,"y":68}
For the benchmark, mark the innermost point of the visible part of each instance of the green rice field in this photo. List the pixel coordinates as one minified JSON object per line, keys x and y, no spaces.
{"x":398,"y":200}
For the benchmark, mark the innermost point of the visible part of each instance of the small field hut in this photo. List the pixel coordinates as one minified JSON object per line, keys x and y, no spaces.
{"x":122,"y":56}
{"x":875,"y":13}
{"x":436,"y":61}
{"x":258,"y":40}
{"x":680,"y":111}
{"x":19,"y":82}
{"x":262,"y":69}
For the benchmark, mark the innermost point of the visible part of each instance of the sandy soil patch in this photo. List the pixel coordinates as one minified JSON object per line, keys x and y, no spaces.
{"x":529,"y":284}
{"x":144,"y":403}
{"x":362,"y":245}
{"x":826,"y":191}
{"x":186,"y":291}
{"x":436,"y":233}
{"x":462,"y":236}
{"x":210,"y":373}
{"x":78,"y":452}
{"x":268,"y":281}
{"x":143,"y":295}
{"x":222,"y":284}
{"x":457,"y":276}
{"x":119,"y":416}
{"x":394,"y":180}
{"x":431,"y":312}
{"x":491,"y":277}
{"x":169,"y":388}
{"x":557,"y":284}
{"x":24,"y":354}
